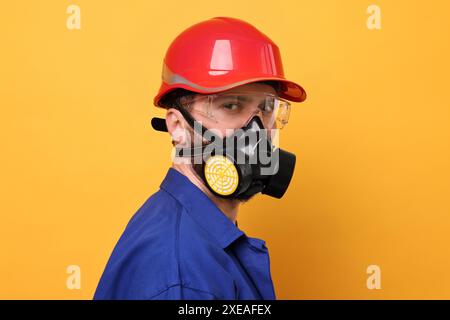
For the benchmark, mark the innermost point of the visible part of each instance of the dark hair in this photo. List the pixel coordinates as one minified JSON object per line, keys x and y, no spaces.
{"x":170,"y":99}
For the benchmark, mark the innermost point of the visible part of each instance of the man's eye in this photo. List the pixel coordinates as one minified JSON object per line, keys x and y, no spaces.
{"x":232,"y":106}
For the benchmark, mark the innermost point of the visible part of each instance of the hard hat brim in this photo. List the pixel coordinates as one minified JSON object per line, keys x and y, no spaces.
{"x":289,"y":90}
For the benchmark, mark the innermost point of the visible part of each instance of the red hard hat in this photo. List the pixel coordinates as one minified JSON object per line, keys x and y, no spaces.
{"x":222,"y":53}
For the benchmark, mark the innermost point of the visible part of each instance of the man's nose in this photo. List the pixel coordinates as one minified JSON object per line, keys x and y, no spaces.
{"x":258,"y":112}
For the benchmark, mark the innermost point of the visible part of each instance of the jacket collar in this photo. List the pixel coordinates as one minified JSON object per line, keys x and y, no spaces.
{"x":201,"y":208}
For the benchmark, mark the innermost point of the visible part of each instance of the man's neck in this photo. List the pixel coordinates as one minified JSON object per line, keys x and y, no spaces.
{"x":229,"y":207}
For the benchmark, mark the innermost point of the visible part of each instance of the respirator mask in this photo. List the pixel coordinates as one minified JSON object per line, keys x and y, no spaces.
{"x":243,"y":160}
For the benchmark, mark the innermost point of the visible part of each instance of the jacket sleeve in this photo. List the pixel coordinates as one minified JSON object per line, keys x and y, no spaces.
{"x":182,"y":292}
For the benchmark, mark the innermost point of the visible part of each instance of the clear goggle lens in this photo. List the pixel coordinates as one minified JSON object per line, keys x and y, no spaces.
{"x":235,"y":109}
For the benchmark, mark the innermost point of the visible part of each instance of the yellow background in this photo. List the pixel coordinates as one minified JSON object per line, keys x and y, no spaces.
{"x":78,"y":156}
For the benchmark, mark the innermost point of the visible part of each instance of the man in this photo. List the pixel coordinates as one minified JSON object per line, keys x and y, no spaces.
{"x":225,"y":94}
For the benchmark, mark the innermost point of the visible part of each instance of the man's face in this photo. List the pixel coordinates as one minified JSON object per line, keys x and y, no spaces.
{"x":226,"y":112}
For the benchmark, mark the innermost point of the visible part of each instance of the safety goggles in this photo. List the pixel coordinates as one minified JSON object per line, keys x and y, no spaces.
{"x":235,"y":109}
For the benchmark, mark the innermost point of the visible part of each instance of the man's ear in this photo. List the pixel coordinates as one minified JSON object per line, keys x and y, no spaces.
{"x":176,"y":126}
